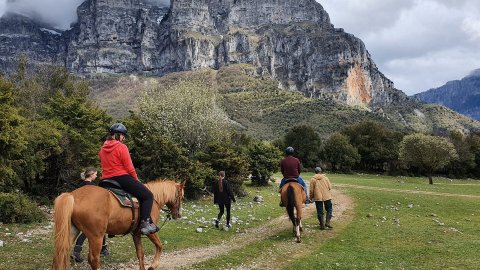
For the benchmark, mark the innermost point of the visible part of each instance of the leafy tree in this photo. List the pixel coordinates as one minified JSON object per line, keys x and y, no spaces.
{"x":186,"y":112}
{"x":82,"y":126}
{"x":156,"y":156}
{"x":466,"y":157}
{"x":307,"y":144}
{"x":264,"y":160}
{"x":224,"y":156}
{"x":376,"y":145}
{"x":12,"y":136}
{"x":473,"y":141}
{"x":427,"y":153}
{"x":43,"y":138}
{"x":339,"y":152}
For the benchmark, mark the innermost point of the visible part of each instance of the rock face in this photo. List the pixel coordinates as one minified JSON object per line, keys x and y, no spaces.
{"x":462,"y":95}
{"x":20,"y":35}
{"x":292,"y":41}
{"x":113,"y":36}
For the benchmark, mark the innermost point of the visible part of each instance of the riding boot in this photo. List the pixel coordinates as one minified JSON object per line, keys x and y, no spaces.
{"x":327,"y":224}
{"x":104,"y":251}
{"x":322,"y":224}
{"x":147,"y":227}
{"x":76,"y":255}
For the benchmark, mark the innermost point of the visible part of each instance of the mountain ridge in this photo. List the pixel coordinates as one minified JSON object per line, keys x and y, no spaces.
{"x":462,"y":96}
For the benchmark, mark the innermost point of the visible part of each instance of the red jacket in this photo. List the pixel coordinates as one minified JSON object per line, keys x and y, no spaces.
{"x":115,"y":160}
{"x":290,"y":167}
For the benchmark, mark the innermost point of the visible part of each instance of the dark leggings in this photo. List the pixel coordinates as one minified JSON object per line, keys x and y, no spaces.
{"x":328,"y":207}
{"x":81,"y":238}
{"x":221,"y":208}
{"x":137,"y":189}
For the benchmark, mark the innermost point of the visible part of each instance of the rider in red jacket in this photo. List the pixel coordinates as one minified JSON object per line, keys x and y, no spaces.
{"x":117,"y":165}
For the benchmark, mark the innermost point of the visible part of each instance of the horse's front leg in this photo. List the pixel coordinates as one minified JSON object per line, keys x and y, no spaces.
{"x":158,"y":250}
{"x":94,"y":247}
{"x":139,"y":249}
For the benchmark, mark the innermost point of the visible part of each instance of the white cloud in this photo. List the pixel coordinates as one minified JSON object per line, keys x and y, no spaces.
{"x":418,"y":44}
{"x":57,"y":13}
{"x":471,"y":26}
{"x":3,"y":6}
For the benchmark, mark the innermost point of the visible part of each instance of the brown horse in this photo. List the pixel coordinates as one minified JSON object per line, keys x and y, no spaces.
{"x":95,"y":211}
{"x":293,"y":196}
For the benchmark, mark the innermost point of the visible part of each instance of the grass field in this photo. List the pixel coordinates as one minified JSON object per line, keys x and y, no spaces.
{"x":388,"y":227}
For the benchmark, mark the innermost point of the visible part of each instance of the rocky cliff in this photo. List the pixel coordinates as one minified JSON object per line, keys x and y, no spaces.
{"x":462,"y":95}
{"x":20,"y":35}
{"x":291,"y":41}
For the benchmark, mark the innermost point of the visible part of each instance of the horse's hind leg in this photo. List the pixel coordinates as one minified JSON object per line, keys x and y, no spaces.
{"x":94,"y":247}
{"x":139,"y":249}
{"x":158,"y":250}
{"x":297,"y":230}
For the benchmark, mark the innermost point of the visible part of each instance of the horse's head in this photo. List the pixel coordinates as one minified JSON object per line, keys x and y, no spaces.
{"x":175,"y":207}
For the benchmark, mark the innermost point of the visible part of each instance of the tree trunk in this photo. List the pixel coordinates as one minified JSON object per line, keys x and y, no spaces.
{"x":430,"y":180}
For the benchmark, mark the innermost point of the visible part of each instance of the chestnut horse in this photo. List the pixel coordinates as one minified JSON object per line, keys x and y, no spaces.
{"x":95,"y":211}
{"x":293,"y":196}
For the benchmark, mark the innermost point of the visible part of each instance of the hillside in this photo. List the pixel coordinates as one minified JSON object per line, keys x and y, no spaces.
{"x":259,"y":108}
{"x":462,"y":96}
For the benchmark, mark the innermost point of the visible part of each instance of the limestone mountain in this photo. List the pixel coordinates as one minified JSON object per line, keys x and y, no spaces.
{"x":462,"y":96}
{"x":292,"y":41}
{"x":286,"y":62}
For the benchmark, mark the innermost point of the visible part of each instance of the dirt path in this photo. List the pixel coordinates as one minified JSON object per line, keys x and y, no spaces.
{"x":284,"y":253}
{"x":190,"y":256}
{"x":407,"y":191}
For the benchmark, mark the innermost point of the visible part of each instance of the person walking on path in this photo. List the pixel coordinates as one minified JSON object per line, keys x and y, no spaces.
{"x":117,"y":165}
{"x":320,"y":192}
{"x":223,"y":196}
{"x":88,"y":176}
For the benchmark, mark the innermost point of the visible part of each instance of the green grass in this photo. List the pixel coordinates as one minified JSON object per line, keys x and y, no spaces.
{"x":389,"y":230}
{"x":435,"y":233}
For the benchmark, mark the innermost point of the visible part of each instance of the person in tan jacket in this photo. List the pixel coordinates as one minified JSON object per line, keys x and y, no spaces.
{"x":320,"y":187}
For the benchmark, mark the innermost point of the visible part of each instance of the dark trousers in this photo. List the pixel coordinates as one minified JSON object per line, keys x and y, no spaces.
{"x":81,"y":238}
{"x":137,"y":189}
{"x":328,"y":206}
{"x":221,"y":207}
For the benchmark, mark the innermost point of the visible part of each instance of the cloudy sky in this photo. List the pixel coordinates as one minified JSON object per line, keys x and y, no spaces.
{"x":418,"y":44}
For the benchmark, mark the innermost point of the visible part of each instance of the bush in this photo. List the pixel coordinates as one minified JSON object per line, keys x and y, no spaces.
{"x":18,"y":208}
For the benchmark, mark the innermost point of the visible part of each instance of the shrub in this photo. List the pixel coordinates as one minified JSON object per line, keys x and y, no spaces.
{"x":18,"y":208}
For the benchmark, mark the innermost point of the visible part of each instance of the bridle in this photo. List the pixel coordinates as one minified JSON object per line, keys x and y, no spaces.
{"x":167,"y":209}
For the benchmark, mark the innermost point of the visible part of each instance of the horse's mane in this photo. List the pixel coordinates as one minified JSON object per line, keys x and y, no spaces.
{"x":163,"y":190}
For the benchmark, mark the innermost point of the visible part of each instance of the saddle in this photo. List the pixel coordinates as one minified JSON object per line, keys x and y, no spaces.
{"x":290,"y":180}
{"x":124,"y":198}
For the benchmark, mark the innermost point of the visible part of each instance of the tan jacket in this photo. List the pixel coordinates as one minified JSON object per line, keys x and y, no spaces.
{"x":320,"y":188}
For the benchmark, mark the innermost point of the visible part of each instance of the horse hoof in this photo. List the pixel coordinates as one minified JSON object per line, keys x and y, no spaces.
{"x":299,"y":240}
{"x":150,"y":268}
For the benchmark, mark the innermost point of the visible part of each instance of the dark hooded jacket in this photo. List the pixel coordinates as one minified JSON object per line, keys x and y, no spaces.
{"x":223,"y":197}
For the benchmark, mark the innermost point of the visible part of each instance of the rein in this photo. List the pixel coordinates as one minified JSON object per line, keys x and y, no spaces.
{"x":167,"y":210}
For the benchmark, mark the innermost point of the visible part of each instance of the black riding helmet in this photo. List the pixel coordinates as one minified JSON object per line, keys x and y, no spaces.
{"x":118,"y":128}
{"x":289,"y":151}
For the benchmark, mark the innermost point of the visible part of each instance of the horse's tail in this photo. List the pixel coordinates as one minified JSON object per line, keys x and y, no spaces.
{"x":291,"y":203}
{"x":63,"y":228}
